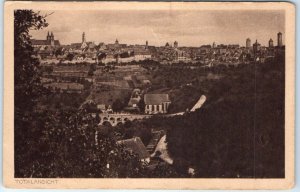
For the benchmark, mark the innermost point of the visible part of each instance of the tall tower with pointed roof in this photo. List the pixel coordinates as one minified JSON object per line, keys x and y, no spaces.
{"x":48,"y":37}
{"x":51,"y":38}
{"x":83,"y":37}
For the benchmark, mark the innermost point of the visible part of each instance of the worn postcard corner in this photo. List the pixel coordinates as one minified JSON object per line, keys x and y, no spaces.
{"x":149,"y":95}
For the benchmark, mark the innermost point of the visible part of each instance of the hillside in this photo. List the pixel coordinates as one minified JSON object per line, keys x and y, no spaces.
{"x":239,"y":132}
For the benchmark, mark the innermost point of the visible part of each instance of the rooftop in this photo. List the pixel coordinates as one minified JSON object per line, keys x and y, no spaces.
{"x":156,"y":99}
{"x":136,"y":146}
{"x":44,"y":42}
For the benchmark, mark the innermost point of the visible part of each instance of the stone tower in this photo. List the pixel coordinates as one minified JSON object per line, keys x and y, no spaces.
{"x":248,"y":43}
{"x":83,"y":37}
{"x":271,"y":43}
{"x":52,"y":39}
{"x":279,"y":39}
{"x":175,"y":44}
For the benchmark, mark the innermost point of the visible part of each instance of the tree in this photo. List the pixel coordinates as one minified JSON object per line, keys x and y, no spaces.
{"x":27,"y":85}
{"x":61,"y":142}
{"x":48,"y":69}
{"x":141,"y":105}
{"x":92,"y":69}
{"x":117,"y":105}
{"x":26,"y":74}
{"x":58,"y":52}
{"x":70,"y":56}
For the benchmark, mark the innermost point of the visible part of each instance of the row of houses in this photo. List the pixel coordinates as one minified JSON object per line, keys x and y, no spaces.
{"x":122,"y":53}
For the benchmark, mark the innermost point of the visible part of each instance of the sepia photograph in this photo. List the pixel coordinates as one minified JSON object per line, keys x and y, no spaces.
{"x":164,"y":92}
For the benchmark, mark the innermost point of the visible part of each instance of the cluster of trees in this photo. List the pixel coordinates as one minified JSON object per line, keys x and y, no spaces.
{"x":134,"y":129}
{"x":61,"y":142}
{"x":70,"y":56}
{"x":57,"y":100}
{"x":239,"y":131}
{"x":47,"y":69}
{"x":92,"y":69}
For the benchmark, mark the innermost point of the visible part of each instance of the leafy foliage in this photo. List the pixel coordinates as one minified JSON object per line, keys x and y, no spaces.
{"x":240,"y":129}
{"x":59,"y":142}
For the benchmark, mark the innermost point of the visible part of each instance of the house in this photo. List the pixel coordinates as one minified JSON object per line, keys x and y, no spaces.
{"x":135,"y":145}
{"x":156,"y":103}
{"x":102,"y":107}
{"x":109,"y":58}
{"x":140,"y":55}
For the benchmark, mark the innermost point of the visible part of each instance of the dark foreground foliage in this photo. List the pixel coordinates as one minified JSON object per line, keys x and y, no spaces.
{"x":239,"y":132}
{"x":59,"y":141}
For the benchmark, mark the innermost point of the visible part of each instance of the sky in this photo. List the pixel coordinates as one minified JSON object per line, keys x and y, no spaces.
{"x":189,"y":28}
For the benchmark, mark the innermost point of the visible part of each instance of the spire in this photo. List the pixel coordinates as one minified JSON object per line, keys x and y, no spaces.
{"x":52,"y":37}
{"x":83,"y":37}
{"x":48,"y":36}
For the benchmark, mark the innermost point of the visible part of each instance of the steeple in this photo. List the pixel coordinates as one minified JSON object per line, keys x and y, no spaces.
{"x":52,"y":36}
{"x":48,"y":38}
{"x":83,"y":37}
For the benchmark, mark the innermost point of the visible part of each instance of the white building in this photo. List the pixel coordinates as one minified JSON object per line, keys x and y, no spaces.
{"x":156,"y":103}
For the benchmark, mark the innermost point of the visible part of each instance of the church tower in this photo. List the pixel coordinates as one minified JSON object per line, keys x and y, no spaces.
{"x":48,"y":37}
{"x":175,"y":44}
{"x":248,"y":43}
{"x":271,"y":43}
{"x":83,"y":37}
{"x":83,"y":44}
{"x":52,"y":39}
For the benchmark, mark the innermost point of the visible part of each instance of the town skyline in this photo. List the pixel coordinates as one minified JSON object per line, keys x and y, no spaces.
{"x":158,"y":27}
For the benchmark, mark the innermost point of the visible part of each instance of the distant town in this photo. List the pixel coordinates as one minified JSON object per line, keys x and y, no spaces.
{"x":124,"y":110}
{"x":102,"y":67}
{"x":49,"y":50}
{"x":118,"y":86}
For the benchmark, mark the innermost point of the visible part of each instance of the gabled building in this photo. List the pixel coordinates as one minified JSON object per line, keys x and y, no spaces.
{"x":136,"y":146}
{"x":156,"y":103}
{"x":47,"y":47}
{"x":49,"y":41}
{"x":140,"y":55}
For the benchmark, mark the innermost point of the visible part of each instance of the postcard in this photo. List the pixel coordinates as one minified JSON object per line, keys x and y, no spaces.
{"x":149,"y":95}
